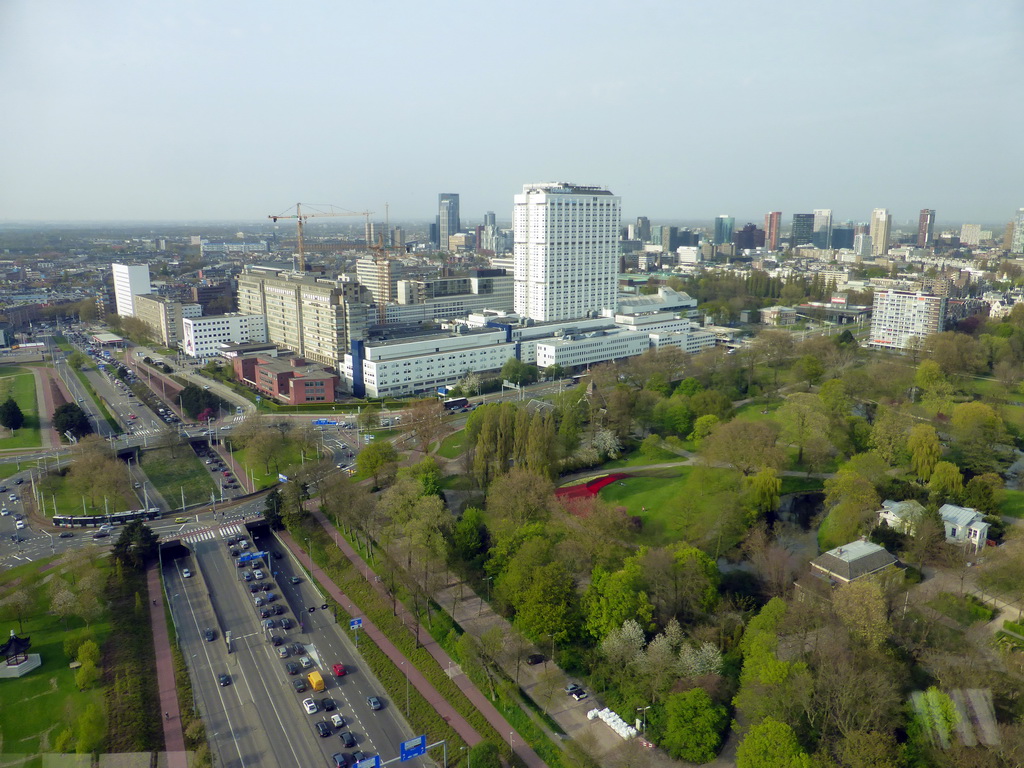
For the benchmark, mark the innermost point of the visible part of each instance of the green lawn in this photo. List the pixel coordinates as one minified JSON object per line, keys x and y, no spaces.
{"x":12,"y":467}
{"x":963,"y":610}
{"x":57,"y":491}
{"x":286,"y":459}
{"x":453,"y":445}
{"x":755,"y":411}
{"x":21,"y":385}
{"x":792,"y":484}
{"x":636,"y":458}
{"x":652,"y":499}
{"x":1013,"y":504}
{"x":170,"y":474}
{"x":35,"y":708}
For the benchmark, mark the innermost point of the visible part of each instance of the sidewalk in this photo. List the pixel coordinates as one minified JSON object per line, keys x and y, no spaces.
{"x":174,"y":739}
{"x":483,"y":705}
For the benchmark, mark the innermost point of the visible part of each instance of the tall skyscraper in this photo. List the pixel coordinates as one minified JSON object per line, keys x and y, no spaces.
{"x":490,"y":219}
{"x":129,"y":281}
{"x":566,"y":250}
{"x":448,"y":222}
{"x":772,"y":223}
{"x":821,"y":234}
{"x":643,"y":229}
{"x":803,"y":230}
{"x":926,"y":228}
{"x":1017,"y":246}
{"x":862,"y":246}
{"x":842,"y":235}
{"x":881,"y":225}
{"x":724,"y":227}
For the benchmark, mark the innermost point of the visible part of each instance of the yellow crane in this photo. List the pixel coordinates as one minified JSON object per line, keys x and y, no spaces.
{"x":300,"y":217}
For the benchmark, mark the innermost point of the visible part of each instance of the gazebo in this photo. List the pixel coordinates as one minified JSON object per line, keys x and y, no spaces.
{"x":15,"y":650}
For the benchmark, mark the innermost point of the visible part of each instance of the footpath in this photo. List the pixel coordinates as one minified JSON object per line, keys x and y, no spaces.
{"x":523,"y":750}
{"x":174,"y":738}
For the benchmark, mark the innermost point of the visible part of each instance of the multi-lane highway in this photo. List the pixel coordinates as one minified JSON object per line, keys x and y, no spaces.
{"x":258,"y":718}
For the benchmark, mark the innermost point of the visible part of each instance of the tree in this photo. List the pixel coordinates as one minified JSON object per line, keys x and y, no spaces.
{"x":69,"y":418}
{"x":484,"y":755}
{"x":136,"y":544}
{"x":426,"y":422}
{"x":744,"y":445}
{"x":809,"y":369}
{"x":272,"y":510}
{"x":765,"y":488}
{"x":771,"y":744}
{"x":693,"y":726}
{"x":802,"y":418}
{"x":776,"y":347}
{"x":615,"y":597}
{"x":889,"y":435}
{"x":548,"y":607}
{"x":946,"y":483}
{"x":861,"y":606}
{"x":925,"y":450}
{"x":11,"y":415}
{"x":979,"y":432}
{"x":469,"y":538}
{"x":704,"y":426}
{"x":376,"y":459}
{"x":520,"y":497}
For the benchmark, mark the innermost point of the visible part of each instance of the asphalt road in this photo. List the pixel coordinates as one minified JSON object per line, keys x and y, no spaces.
{"x":258,"y":719}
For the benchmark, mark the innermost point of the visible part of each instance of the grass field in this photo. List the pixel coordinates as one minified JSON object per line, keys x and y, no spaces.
{"x":653,"y":498}
{"x":453,"y":445}
{"x":57,"y":492}
{"x":21,"y":385}
{"x":1013,"y":504}
{"x":286,"y":459}
{"x":171,"y":474}
{"x":35,"y":708}
{"x":635,"y":458}
{"x":963,"y":610}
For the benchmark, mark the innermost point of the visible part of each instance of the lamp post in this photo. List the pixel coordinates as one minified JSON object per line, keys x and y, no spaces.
{"x":310,"y":553}
{"x":406,"y":669}
{"x":644,"y":710}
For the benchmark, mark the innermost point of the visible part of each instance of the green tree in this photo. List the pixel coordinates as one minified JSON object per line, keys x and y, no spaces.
{"x":272,"y":507}
{"x":925,"y":450}
{"x":746,"y":446}
{"x":979,"y":432}
{"x":802,"y":418}
{"x":469,"y":535}
{"x":484,"y":755}
{"x":765,"y":489}
{"x":889,"y":435}
{"x":136,"y":545}
{"x":615,"y":597}
{"x":92,"y":730}
{"x":549,"y":605}
{"x":376,"y":459}
{"x":946,"y":483}
{"x":703,"y":426}
{"x":693,"y":726}
{"x":984,"y":492}
{"x":771,"y":744}
{"x":11,"y":415}
{"x":69,"y":418}
{"x":809,"y":369}
{"x":87,"y":675}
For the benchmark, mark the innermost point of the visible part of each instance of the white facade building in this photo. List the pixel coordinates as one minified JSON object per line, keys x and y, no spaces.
{"x":129,"y":281}
{"x":899,"y":317}
{"x":881,"y":225}
{"x":566,"y":251}
{"x":203,"y":336}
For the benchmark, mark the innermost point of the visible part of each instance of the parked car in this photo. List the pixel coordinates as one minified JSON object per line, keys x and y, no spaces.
{"x":299,"y":684}
{"x":535,"y":658}
{"x":291,"y":668}
{"x":327,"y":704}
{"x":277,"y":640}
{"x":323,"y":729}
{"x":186,"y":573}
{"x":575,"y":691}
{"x":337,"y":720}
{"x":282,"y":652}
{"x":310,"y":706}
{"x":66,"y":535}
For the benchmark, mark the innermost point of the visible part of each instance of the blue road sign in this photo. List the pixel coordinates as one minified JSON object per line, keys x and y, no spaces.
{"x":413,"y":748}
{"x":324,"y":423}
{"x":370,"y":762}
{"x":282,"y":478}
{"x":355,"y":623}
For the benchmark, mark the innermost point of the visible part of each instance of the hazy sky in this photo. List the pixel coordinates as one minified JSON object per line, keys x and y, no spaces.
{"x":223,"y":109}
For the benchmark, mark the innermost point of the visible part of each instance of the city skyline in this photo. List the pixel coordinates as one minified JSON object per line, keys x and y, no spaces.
{"x":233,"y":111}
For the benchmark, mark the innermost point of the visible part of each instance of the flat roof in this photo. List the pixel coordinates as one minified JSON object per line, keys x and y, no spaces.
{"x":107,"y":338}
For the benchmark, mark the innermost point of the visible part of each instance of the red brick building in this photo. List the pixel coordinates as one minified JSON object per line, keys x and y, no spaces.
{"x":289,"y":380}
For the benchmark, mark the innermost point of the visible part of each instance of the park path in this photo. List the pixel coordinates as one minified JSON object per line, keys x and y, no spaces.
{"x":174,"y":738}
{"x":523,"y":750}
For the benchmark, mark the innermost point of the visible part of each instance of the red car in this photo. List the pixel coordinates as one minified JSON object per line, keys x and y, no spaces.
{"x":338,"y":669}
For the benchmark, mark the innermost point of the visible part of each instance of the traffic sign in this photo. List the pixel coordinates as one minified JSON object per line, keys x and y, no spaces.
{"x":355,"y":623}
{"x":282,"y":478}
{"x":413,"y":748}
{"x":370,"y":762}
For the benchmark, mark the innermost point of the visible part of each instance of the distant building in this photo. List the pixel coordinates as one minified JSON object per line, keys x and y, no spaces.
{"x":778,"y":315}
{"x":448,"y":220}
{"x":842,"y":237}
{"x":291,"y":380}
{"x":821,"y":234}
{"x":881,"y":225}
{"x":202,"y":337}
{"x":926,"y":228}
{"x":214,"y":298}
{"x":772,"y":223}
{"x":862,"y":246}
{"x":642,"y":229}
{"x":749,"y":238}
{"x":803,"y":230}
{"x":164,"y":317}
{"x":1017,"y":245}
{"x":902,"y":318}
{"x":130,"y":280}
{"x":724,"y":226}
{"x":970,"y":234}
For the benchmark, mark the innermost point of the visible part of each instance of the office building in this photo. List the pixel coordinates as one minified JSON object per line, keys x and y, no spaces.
{"x":202,"y":337}
{"x":164,"y":317}
{"x":315,"y":317}
{"x":214,"y":298}
{"x":379,"y":277}
{"x":842,"y":236}
{"x":642,"y":231}
{"x":566,"y":251}
{"x":862,"y":246}
{"x":287,"y":379}
{"x":130,"y":280}
{"x":926,"y":228}
{"x":1017,"y":244}
{"x":724,"y":226}
{"x":903,"y":319}
{"x":772,"y":223}
{"x":749,"y":238}
{"x":821,"y":233}
{"x":881,"y":227}
{"x":970,"y":234}
{"x":448,"y":221}
{"x":803,"y":230}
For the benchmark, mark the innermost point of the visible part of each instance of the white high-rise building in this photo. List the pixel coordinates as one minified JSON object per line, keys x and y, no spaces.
{"x":129,"y":281}
{"x":822,"y":232}
{"x":970,"y":234}
{"x":881,"y":224}
{"x":862,"y":246}
{"x":901,"y":319}
{"x":566,"y":251}
{"x":1017,"y":242}
{"x":202,"y":336}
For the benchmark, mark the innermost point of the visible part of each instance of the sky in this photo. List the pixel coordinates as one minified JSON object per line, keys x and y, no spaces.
{"x":140,"y":110}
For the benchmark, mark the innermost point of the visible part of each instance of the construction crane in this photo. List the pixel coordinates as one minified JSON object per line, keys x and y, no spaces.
{"x":300,"y":217}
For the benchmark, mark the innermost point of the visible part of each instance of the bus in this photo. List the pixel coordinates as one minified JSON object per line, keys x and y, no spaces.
{"x":455,"y":403}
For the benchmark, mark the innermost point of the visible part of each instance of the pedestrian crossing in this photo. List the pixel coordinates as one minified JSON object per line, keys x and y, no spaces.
{"x":208,"y":534}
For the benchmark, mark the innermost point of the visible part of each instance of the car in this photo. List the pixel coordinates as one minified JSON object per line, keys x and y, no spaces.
{"x":295,"y":580}
{"x":265,"y":586}
{"x":374,"y":703}
{"x":338,"y":669}
{"x":535,"y":658}
{"x":277,"y":640}
{"x":575,"y":691}
{"x":282,"y":653}
{"x":257,"y":574}
{"x":19,"y":481}
{"x":226,"y":473}
{"x":276,"y":555}
{"x":254,"y":588}
{"x":65,"y":535}
{"x":264,"y":613}
{"x":299,"y":685}
{"x":181,"y":519}
{"x":208,"y":634}
{"x":323,"y":728}
{"x":286,"y":623}
{"x":347,"y":739}
{"x":580,"y":695}
{"x":247,"y":576}
{"x":291,"y":668}
{"x":12,"y":497}
{"x":3,"y":489}
{"x":310,"y":706}
{"x":337,"y":720}
{"x":239,"y":564}
{"x":306,"y":662}
{"x":327,"y":704}
{"x":4,"y":511}
{"x":138,"y":485}
{"x":269,"y":623}
{"x":358,"y":755}
{"x":270,"y":597}
{"x":224,"y":680}
{"x":340,"y":760}
{"x":20,"y":524}
{"x":259,"y":602}
{"x":103,"y":535}
{"x":277,"y":610}
{"x":297,"y":649}
{"x":235,"y":552}
{"x":186,"y":573}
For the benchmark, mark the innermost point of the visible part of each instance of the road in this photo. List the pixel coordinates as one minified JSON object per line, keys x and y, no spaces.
{"x":258,"y":719}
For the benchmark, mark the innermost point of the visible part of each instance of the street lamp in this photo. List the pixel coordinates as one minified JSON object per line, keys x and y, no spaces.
{"x":406,"y":669}
{"x":309,"y":552}
{"x":644,"y":710}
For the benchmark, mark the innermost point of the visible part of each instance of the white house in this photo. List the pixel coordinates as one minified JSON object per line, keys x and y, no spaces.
{"x":963,"y":525}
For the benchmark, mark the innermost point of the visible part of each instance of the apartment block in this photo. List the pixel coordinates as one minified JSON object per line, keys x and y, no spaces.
{"x":902,"y":318}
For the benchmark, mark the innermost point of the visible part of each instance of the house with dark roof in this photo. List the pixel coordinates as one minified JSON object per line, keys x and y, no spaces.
{"x":852,"y":561}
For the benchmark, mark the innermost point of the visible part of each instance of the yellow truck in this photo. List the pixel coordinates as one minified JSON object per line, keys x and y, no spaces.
{"x":315,"y":681}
